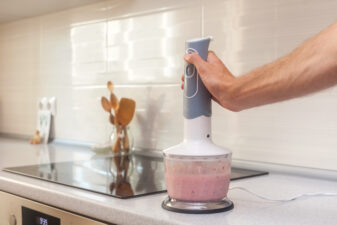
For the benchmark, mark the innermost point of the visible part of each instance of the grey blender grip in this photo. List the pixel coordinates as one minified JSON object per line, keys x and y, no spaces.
{"x":197,"y":99}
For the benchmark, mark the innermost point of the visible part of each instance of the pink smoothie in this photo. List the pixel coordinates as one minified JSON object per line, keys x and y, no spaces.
{"x":197,"y":187}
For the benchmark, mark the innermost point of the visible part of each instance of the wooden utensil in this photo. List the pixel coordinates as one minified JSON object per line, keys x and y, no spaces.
{"x":112,"y":119}
{"x":110,"y":86}
{"x":117,"y":145}
{"x":121,"y":186}
{"x":126,"y":144}
{"x":36,"y":139}
{"x":114,"y":101}
{"x":124,"y":189}
{"x":106,"y":104}
{"x":125,"y":111}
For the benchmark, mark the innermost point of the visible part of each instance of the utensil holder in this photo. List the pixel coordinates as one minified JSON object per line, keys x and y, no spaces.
{"x":121,"y":139}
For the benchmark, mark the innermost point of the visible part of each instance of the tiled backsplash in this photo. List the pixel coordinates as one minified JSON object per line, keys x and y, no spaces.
{"x":139,"y":45}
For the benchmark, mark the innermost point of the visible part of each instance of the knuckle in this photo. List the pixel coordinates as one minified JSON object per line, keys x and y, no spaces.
{"x":201,"y":70}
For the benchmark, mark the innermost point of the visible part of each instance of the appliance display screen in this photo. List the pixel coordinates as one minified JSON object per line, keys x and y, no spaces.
{"x":41,"y":221}
{"x":32,"y":217}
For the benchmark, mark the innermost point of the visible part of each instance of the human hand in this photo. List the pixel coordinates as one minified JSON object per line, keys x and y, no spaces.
{"x":216,"y":77}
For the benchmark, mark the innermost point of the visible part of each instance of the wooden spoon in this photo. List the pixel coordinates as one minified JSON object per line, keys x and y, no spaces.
{"x":125,"y":111}
{"x":112,"y":119}
{"x":110,"y":86}
{"x":114,"y":101}
{"x":106,"y":104}
{"x":117,"y":145}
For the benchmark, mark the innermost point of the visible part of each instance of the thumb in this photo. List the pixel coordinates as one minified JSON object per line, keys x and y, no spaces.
{"x":197,"y":61}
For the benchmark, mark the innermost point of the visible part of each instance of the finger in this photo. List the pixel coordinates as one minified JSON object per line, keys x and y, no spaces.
{"x":182,"y":86}
{"x":197,"y":61}
{"x":182,"y":78}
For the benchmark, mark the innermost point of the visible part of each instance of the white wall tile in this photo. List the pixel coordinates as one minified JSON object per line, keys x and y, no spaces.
{"x":297,"y":132}
{"x":132,"y":56}
{"x":19,"y":66}
{"x":73,"y":53}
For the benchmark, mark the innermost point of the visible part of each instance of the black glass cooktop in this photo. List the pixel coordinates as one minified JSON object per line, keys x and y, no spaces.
{"x":118,"y":176}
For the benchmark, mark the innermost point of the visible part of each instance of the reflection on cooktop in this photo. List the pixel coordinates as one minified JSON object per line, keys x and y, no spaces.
{"x":119,"y":176}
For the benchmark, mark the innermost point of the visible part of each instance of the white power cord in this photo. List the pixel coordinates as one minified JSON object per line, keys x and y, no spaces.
{"x":284,"y":200}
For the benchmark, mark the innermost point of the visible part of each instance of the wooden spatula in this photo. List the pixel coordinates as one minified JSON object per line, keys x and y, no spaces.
{"x":125,"y":111}
{"x":126,"y":143}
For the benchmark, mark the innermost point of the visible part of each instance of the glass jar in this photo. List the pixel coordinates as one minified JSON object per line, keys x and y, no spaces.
{"x":121,"y":139}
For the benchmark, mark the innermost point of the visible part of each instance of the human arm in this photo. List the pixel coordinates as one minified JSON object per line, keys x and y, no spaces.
{"x":309,"y":68}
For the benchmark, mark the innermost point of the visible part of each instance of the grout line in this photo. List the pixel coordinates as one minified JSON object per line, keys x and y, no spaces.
{"x":148,"y":12}
{"x":101,"y":86}
{"x":125,"y":85}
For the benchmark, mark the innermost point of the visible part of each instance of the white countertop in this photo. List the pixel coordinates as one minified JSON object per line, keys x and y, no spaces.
{"x":147,"y":210}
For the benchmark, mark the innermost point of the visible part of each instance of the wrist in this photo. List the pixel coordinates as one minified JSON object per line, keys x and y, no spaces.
{"x":231,"y":98}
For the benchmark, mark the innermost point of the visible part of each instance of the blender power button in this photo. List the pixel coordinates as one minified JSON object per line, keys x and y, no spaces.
{"x":189,"y":70}
{"x":12,"y":220}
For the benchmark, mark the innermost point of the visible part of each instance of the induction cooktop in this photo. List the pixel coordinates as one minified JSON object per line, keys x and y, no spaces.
{"x":118,"y":176}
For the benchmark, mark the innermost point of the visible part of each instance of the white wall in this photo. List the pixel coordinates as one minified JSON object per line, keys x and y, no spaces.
{"x":139,"y":46}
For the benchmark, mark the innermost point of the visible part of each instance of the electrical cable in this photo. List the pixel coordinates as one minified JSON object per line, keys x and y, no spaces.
{"x":285,"y":200}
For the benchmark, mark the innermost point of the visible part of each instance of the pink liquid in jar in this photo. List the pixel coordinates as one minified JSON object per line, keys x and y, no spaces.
{"x":197,"y":181}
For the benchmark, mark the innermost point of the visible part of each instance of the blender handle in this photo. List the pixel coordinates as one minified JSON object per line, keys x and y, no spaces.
{"x":197,"y":99}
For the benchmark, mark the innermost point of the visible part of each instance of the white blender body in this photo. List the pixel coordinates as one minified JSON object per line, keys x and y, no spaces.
{"x":197,"y":172}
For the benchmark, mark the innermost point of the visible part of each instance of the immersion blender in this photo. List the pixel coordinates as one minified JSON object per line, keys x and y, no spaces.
{"x":197,"y":172}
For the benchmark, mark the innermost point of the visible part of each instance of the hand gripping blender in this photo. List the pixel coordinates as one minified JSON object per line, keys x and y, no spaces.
{"x":197,"y":172}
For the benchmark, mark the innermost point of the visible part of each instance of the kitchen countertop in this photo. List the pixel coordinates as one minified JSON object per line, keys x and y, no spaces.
{"x":147,"y":209}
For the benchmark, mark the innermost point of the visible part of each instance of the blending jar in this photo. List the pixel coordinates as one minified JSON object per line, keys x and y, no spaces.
{"x":197,"y":178}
